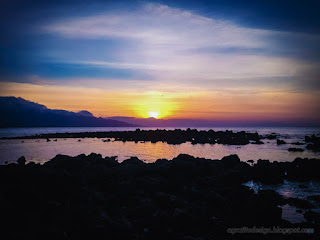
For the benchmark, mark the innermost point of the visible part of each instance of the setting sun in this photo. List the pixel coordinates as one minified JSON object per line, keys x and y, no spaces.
{"x":153,"y":114}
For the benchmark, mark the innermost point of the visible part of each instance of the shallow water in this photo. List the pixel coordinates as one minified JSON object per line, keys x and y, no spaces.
{"x":289,"y":189}
{"x":41,"y":150}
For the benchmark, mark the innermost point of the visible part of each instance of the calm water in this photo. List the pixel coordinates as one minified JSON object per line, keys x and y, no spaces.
{"x":291,"y":189}
{"x":41,"y":150}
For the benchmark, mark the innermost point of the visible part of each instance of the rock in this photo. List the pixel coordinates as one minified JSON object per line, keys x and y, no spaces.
{"x":271,"y":136}
{"x":300,"y":203}
{"x":315,"y":143}
{"x":272,"y":197}
{"x":176,"y":136}
{"x":314,"y":198}
{"x":257,"y":142}
{"x":186,"y":197}
{"x":312,"y":216}
{"x":315,"y":147}
{"x":230,"y":161}
{"x":133,"y":161}
{"x":280,"y":142}
{"x":21,"y":161}
{"x":295,"y":150}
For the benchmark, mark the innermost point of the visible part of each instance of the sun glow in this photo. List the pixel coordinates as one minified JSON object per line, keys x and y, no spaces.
{"x":153,"y":114}
{"x":154,"y":104}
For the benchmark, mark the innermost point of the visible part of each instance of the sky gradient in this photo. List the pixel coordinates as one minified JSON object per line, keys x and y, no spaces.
{"x":212,"y":60}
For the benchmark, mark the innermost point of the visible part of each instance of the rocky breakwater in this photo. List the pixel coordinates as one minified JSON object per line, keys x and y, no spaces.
{"x":176,"y":136}
{"x":91,"y":197}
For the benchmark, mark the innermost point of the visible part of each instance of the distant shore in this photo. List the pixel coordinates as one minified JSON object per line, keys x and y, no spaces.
{"x":176,"y":136}
{"x":179,"y":136}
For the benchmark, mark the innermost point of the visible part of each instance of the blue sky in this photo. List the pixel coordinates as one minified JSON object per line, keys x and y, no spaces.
{"x":222,"y":47}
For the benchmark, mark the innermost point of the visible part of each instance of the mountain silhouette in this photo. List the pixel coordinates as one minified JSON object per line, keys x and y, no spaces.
{"x":18,"y":112}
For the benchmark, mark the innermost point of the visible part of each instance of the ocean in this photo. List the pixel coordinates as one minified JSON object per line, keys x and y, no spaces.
{"x":40,"y":150}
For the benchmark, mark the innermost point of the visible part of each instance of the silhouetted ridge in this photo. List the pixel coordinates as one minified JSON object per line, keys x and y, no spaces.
{"x":18,"y":112}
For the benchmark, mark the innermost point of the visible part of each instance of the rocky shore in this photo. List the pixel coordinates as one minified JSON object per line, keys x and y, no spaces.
{"x":176,"y":136}
{"x":91,"y":197}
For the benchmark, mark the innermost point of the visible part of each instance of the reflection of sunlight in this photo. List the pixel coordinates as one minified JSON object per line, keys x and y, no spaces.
{"x":287,"y":194}
{"x":286,"y":191}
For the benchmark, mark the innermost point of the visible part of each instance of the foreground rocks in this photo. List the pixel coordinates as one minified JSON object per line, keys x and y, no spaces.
{"x":176,"y":136}
{"x":90,"y":197}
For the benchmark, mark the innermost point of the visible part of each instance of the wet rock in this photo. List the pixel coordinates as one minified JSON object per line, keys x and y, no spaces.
{"x":280,"y":142}
{"x":133,"y":161}
{"x":230,"y":161}
{"x":272,"y":196}
{"x":21,"y":161}
{"x":257,"y":142}
{"x":312,"y":216}
{"x":314,"y":143}
{"x":176,"y":136}
{"x":295,"y":150}
{"x":300,"y":203}
{"x":186,"y":197}
{"x":271,"y":136}
{"x":314,"y":198}
{"x":315,"y":147}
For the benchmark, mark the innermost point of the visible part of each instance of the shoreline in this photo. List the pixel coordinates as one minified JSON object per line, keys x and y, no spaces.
{"x":182,"y":198}
{"x":176,"y":136}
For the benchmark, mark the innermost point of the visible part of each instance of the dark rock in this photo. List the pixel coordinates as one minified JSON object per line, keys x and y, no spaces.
{"x":300,"y":203}
{"x":271,"y":136}
{"x":315,"y":143}
{"x":257,"y":142}
{"x":280,"y":142}
{"x":272,"y":197}
{"x":133,"y":161}
{"x":176,"y":136}
{"x":295,"y":150}
{"x":312,"y":216}
{"x":230,"y":161}
{"x":21,"y":161}
{"x":99,"y":198}
{"x":314,"y":198}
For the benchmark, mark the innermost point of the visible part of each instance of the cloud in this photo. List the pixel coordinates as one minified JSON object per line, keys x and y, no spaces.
{"x":168,"y":44}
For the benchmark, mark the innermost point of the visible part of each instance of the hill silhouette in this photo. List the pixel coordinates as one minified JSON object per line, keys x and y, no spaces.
{"x":18,"y":112}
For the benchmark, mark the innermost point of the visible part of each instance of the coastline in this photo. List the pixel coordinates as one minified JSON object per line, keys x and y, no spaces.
{"x":183,"y":198}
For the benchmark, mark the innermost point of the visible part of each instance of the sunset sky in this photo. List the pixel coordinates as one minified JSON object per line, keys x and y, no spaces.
{"x":212,"y":60}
